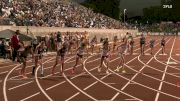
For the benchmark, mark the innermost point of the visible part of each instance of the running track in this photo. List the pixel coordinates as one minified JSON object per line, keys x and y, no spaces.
{"x":148,"y":78}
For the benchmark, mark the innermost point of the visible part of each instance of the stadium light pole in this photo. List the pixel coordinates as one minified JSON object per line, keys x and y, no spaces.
{"x":124,"y":14}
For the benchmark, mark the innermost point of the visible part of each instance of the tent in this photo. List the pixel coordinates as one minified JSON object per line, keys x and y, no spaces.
{"x":7,"y":34}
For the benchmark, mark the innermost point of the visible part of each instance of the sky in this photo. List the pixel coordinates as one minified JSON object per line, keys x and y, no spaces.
{"x":135,"y":7}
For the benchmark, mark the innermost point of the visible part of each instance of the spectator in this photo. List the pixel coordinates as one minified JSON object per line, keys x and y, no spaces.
{"x":15,"y":44}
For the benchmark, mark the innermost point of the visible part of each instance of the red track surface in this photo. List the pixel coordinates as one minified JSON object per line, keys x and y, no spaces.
{"x":148,"y":78}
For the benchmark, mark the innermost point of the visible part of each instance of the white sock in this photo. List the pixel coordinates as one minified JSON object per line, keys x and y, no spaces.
{"x":42,"y":70}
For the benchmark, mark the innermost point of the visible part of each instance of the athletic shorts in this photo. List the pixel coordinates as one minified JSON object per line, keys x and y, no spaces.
{"x":151,"y":46}
{"x":141,"y":44}
{"x":81,"y":56}
{"x":163,"y":45}
{"x":105,"y":56}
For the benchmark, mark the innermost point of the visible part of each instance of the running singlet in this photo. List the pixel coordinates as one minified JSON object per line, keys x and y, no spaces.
{"x":122,"y":49}
{"x":80,"y":50}
{"x":105,"y":51}
{"x":151,"y":43}
{"x":62,"y":52}
{"x":162,"y":42}
{"x":142,"y":40}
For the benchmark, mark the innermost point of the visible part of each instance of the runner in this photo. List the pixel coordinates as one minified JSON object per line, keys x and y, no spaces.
{"x":163,"y":42}
{"x":23,"y":58}
{"x":142,"y":44}
{"x":59,"y":40}
{"x":151,"y":44}
{"x":79,"y":54}
{"x":130,"y":44}
{"x":121,"y":49}
{"x":93,"y":43}
{"x":105,"y":55}
{"x":60,"y":54}
{"x":115,"y":40}
{"x":39,"y":57}
{"x":125,"y":40}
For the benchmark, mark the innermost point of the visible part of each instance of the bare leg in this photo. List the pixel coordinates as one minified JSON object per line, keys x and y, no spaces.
{"x":56,"y":62}
{"x":77,"y":60}
{"x":62,"y":64}
{"x":23,"y":68}
{"x":100,"y":66}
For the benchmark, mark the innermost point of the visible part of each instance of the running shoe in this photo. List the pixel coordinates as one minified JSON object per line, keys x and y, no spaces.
{"x":107,"y":72}
{"x":99,"y":69}
{"x":123,"y":71}
{"x":42,"y":75}
{"x":72,"y":71}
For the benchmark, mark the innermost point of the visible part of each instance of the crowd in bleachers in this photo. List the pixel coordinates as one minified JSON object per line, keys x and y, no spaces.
{"x":54,"y":13}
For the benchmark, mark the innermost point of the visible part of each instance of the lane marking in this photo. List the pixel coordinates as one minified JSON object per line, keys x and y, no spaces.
{"x":163,"y":77}
{"x":139,"y":70}
{"x":4,"y":72}
{"x":171,"y":62}
{"x":38,"y":83}
{"x":79,"y":88}
{"x":5,"y":82}
{"x":30,"y":96}
{"x":136,"y":45}
{"x":72,"y":96}
{"x":12,"y":88}
{"x":112,"y":99}
{"x":113,"y":88}
{"x":92,"y":84}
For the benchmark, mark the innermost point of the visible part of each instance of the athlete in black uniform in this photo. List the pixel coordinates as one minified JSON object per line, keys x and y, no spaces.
{"x":23,"y":58}
{"x":163,"y":42}
{"x":142,"y":44}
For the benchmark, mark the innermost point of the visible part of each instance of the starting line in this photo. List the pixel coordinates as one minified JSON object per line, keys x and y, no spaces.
{"x":162,"y":54}
{"x":171,"y":63}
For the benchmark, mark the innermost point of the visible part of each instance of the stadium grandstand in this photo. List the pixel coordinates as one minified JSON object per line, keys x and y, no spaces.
{"x":52,"y":13}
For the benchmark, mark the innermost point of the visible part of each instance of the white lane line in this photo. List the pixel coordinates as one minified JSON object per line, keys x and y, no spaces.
{"x":130,"y":81}
{"x":96,"y":81}
{"x":174,"y":67}
{"x":175,"y":73}
{"x":139,"y":70}
{"x":130,"y":99}
{"x":70,"y":78}
{"x":13,"y":78}
{"x":59,"y":83}
{"x":39,"y":85}
{"x":135,"y":75}
{"x":72,"y":96}
{"x":113,"y":88}
{"x":67,"y":70}
{"x":152,"y":78}
{"x":33,"y":64}
{"x":145,"y":86}
{"x":148,"y":66}
{"x":8,"y":66}
{"x":20,"y":85}
{"x":112,"y":99}
{"x":30,"y":96}
{"x":163,"y":77}
{"x":55,"y":85}
{"x":90,"y":85}
{"x":5,"y":82}
{"x":79,"y":88}
{"x":4,"y":72}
